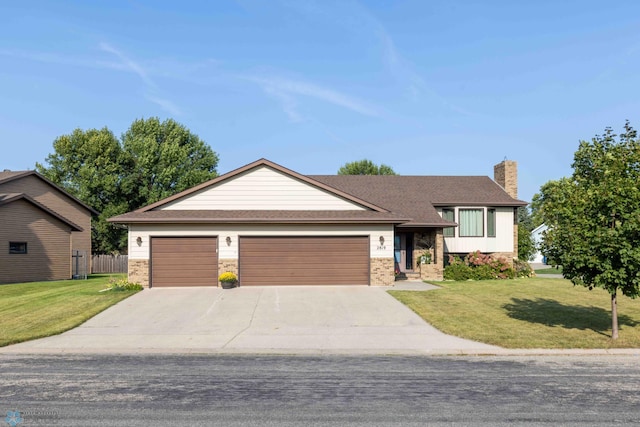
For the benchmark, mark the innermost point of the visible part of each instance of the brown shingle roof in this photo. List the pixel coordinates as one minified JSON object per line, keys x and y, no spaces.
{"x":6,"y":176}
{"x":406,"y":200}
{"x":417,"y":196}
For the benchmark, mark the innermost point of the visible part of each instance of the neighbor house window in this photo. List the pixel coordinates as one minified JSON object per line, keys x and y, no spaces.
{"x":491,"y":223}
{"x":17,"y":247}
{"x":471,"y":222}
{"x":449,"y":215}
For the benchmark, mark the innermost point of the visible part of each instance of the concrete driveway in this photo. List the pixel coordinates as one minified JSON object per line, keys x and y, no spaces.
{"x":302,"y":320}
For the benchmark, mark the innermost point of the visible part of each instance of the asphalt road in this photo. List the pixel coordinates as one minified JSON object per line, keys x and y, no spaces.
{"x":195,"y":390}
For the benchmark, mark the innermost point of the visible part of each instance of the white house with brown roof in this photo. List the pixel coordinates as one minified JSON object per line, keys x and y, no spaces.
{"x":274,"y":226}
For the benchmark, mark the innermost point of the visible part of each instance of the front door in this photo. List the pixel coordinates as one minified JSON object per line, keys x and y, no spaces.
{"x":403,"y":252}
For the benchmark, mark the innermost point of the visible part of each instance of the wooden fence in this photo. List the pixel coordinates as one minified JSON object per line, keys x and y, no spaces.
{"x":109,"y":263}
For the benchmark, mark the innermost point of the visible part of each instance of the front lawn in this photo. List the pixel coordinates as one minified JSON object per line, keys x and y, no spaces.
{"x":40,"y":309}
{"x":527,"y":313}
{"x":549,"y":270}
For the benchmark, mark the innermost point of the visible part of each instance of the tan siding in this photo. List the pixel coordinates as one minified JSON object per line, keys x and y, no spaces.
{"x":184,"y":261}
{"x":263,"y":189}
{"x":57,"y":201}
{"x":304,"y":261}
{"x":234,"y":231}
{"x":48,"y":244}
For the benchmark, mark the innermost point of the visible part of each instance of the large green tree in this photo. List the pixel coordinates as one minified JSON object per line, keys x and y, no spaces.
{"x":365,"y":167}
{"x":163,"y":158}
{"x":151,"y":161}
{"x":594,"y":217}
{"x":526,"y":245}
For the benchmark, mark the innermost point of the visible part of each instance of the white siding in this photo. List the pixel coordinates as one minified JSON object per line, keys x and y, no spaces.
{"x":503,"y":242}
{"x":262,"y":189}
{"x":145,"y":231}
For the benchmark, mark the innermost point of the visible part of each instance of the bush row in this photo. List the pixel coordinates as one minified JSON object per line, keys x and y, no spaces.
{"x":479,"y":266}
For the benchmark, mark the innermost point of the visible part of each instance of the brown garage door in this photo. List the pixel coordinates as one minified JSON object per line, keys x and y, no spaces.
{"x":184,"y":261}
{"x":304,"y":261}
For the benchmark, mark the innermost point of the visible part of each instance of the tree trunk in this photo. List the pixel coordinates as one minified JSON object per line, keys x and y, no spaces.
{"x":614,"y":316}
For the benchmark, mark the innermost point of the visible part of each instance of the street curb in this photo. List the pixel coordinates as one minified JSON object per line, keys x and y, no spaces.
{"x":333,"y":352}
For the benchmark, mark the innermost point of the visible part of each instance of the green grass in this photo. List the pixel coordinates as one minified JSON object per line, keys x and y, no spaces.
{"x":40,"y":309}
{"x":527,"y":313}
{"x":550,"y":270}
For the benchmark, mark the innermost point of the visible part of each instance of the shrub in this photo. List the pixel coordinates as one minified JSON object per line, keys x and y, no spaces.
{"x":522,"y":268}
{"x":457,"y":270}
{"x":121,"y":285}
{"x":478,"y":266}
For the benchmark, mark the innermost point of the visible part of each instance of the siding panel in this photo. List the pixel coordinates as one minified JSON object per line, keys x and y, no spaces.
{"x":48,"y":240}
{"x":57,"y":201}
{"x":263,"y":189}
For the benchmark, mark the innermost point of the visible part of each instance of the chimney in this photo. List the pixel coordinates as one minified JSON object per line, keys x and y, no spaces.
{"x":505,"y":174}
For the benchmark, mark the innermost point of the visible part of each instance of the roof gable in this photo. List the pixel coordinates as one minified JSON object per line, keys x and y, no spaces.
{"x":263,"y":186}
{"x":6,"y":199}
{"x":8,"y":176}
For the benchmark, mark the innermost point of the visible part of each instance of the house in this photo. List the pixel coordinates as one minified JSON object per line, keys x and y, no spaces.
{"x":41,"y":226}
{"x":274,"y":226}
{"x":536,"y":235}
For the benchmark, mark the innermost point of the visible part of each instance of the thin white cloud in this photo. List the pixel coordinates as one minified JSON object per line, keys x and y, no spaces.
{"x":123,"y":63}
{"x":353,"y":16}
{"x":165,"y":104}
{"x":129,"y":64}
{"x":286,"y":90}
{"x":289,"y":104}
{"x":56,"y":59}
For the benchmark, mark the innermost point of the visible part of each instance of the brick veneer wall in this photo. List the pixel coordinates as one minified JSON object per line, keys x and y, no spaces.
{"x":139,"y":271}
{"x":225,"y":265}
{"x":382,"y":273}
{"x":431,"y":272}
{"x":506,"y":175}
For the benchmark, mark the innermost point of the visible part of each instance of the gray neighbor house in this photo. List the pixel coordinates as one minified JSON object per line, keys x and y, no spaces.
{"x":274,"y":226}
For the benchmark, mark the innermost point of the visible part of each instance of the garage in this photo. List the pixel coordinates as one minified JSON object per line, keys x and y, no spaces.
{"x":184,"y":261}
{"x":316,"y":260}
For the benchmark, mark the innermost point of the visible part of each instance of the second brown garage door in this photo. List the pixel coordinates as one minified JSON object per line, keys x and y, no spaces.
{"x":184,"y":261}
{"x":278,"y":261}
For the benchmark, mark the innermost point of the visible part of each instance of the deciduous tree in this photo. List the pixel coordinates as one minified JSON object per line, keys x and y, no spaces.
{"x":594,"y":217}
{"x":153,"y":160}
{"x":365,"y":167}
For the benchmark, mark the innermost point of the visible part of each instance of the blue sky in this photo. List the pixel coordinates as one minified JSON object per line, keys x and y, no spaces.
{"x":427,"y":87}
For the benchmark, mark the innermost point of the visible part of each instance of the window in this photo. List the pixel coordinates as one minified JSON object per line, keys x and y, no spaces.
{"x":471,"y":222}
{"x":448,"y":214}
{"x":17,"y":247}
{"x":491,"y":223}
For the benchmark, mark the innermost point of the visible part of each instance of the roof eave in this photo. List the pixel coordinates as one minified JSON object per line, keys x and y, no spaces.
{"x":257,"y":221}
{"x":515,"y":203}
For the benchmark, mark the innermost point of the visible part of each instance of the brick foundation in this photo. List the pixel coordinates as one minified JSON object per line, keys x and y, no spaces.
{"x":382,"y":272}
{"x":432,"y":272}
{"x":139,"y":271}
{"x":225,"y":265}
